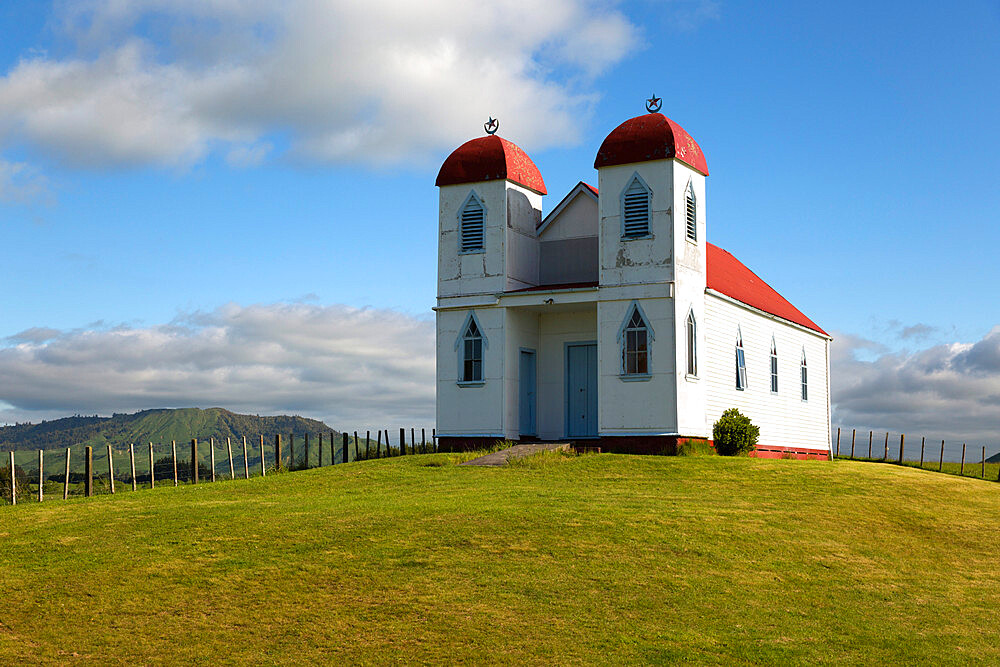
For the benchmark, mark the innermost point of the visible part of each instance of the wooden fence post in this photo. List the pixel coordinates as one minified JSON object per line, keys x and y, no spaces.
{"x":173,"y":455}
{"x":291,"y":451}
{"x":347,"y":454}
{"x":88,"y":476}
{"x":66,"y":477}
{"x":902,"y":437}
{"x":870,"y":444}
{"x":246,"y":460}
{"x":838,"y":442}
{"x":423,"y":441}
{"x":131,"y":461}
{"x":368,"y":442}
{"x":388,"y":450}
{"x":921,"y":451}
{"x":211,"y":450}
{"x":402,"y":441}
{"x":941,"y":460}
{"x":194,"y":460}
{"x":41,"y":475}
{"x":413,"y":440}
{"x":152,"y":466}
{"x":320,"y":464}
{"x":378,"y":445}
{"x":13,"y":481}
{"x":306,"y":465}
{"x":961,"y":471}
{"x":277,"y":452}
{"x":263,"y":466}
{"x":357,"y":454}
{"x":853,"y":432}
{"x":983,"y":474}
{"x":885,"y":455}
{"x":111,"y":468}
{"x":229,"y":448}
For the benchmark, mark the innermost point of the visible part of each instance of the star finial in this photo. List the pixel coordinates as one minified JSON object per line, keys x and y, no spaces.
{"x":653,"y":104}
{"x":491,"y":126}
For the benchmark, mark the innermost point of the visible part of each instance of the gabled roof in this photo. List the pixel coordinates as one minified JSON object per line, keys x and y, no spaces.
{"x":728,"y":276}
{"x":585,"y":188}
{"x":490,"y":158}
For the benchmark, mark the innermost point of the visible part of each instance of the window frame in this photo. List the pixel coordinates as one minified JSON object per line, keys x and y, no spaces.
{"x":636,"y":178}
{"x":691,"y":328}
{"x":742,"y":382}
{"x":774,"y":367}
{"x":635,"y":309}
{"x":462,"y":348}
{"x":804,"y":377}
{"x":472,"y":198}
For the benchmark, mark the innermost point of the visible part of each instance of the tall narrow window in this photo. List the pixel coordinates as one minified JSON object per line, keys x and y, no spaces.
{"x":692,"y":344}
{"x":805,"y":378}
{"x":635,"y":351}
{"x":472,"y":353}
{"x":691,"y":213}
{"x":472,"y":224}
{"x":741,"y":363}
{"x":636,"y":209}
{"x":774,"y":367}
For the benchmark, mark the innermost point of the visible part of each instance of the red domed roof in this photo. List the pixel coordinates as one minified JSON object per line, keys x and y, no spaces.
{"x":490,"y":158}
{"x":650,"y":137}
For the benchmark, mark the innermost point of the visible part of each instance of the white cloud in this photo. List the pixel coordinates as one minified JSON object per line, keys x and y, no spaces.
{"x":346,"y":365}
{"x":20,"y":183}
{"x":949,"y":391}
{"x":382,"y":82}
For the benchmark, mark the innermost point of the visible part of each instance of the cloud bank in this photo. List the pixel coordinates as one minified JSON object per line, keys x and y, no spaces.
{"x":346,"y":365}
{"x":167,"y":82}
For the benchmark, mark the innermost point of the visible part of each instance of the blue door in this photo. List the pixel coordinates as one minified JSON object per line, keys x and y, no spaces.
{"x":527,"y":385}
{"x":581,"y":390}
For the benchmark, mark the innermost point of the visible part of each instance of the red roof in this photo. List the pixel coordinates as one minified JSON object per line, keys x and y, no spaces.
{"x":650,"y":137}
{"x":490,"y":158}
{"x":727,"y":275}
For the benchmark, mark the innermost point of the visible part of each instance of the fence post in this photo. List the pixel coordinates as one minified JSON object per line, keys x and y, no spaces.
{"x":413,"y":440}
{"x":961,"y":471}
{"x":13,"y":481}
{"x":870,"y":444}
{"x":291,"y":451}
{"x":347,"y":454}
{"x":111,"y":468}
{"x":885,"y":455}
{"x":333,"y":449}
{"x":229,"y":448}
{"x":211,"y":450}
{"x":277,"y":451}
{"x":388,"y":450}
{"x":982,"y":474}
{"x":378,"y":445}
{"x":173,"y":454}
{"x":368,"y":442}
{"x":306,"y":464}
{"x":423,"y":441}
{"x":402,"y":441}
{"x":853,"y":432}
{"x":320,"y":454}
{"x":246,"y":460}
{"x":263,"y":466}
{"x":838,"y":442}
{"x":941,"y":461}
{"x":41,"y":475}
{"x":152,"y":466}
{"x":921,"y":451}
{"x":131,"y":461}
{"x":66,"y":477}
{"x":194,"y":460}
{"x":902,"y":437}
{"x":88,"y":476}
{"x":357,"y":454}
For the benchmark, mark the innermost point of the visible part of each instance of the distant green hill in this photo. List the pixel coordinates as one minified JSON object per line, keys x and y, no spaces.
{"x":158,"y":426}
{"x":994,"y":459}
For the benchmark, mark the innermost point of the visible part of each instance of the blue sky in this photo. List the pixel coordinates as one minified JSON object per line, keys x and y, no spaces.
{"x":164,"y":165}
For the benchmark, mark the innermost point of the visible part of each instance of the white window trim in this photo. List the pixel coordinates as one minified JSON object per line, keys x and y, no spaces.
{"x":461,"y":209}
{"x":460,"y":350}
{"x":773,"y":367}
{"x":621,"y":202}
{"x":742,"y":379}
{"x":635,"y":307}
{"x":694,"y":199}
{"x":804,"y":378}
{"x":691,"y":335}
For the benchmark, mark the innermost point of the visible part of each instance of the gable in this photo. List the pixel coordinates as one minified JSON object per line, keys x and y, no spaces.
{"x":576,"y":216}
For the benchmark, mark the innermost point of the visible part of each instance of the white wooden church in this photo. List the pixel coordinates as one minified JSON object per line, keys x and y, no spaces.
{"x":611,"y":319}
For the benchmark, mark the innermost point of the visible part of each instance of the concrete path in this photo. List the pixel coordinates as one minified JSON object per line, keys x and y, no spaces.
{"x":516,"y":452}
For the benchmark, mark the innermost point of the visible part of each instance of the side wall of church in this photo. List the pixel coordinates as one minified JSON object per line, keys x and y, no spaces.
{"x":785,"y":420}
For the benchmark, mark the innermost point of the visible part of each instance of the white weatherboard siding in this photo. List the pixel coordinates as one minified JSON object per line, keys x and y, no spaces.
{"x":785,"y":420}
{"x":470,"y":410}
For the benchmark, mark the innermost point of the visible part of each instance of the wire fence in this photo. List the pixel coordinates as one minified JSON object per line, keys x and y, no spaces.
{"x":951,"y":457}
{"x":59,"y":473}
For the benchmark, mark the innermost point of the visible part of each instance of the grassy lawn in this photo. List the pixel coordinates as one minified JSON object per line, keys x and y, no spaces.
{"x":599,"y":558}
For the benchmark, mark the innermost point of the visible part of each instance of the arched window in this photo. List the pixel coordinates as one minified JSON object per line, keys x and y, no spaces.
{"x":472,"y":228}
{"x":774,"y":367}
{"x":805,"y":377}
{"x":692,"y":344}
{"x":469,"y":345}
{"x":741,"y":362}
{"x":691,"y":212}
{"x":634,"y":335}
{"x":636,"y":205}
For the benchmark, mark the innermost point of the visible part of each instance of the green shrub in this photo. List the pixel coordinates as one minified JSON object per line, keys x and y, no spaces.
{"x":734,"y":433}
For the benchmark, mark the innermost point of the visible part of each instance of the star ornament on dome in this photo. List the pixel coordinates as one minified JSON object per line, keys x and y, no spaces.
{"x":491,"y":126}
{"x":653,"y":104}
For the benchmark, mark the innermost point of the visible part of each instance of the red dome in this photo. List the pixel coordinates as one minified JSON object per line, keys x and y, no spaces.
{"x":650,"y":137}
{"x":490,"y":158}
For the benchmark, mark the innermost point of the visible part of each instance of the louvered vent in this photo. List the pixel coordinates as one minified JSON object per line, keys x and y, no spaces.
{"x":472,"y":226}
{"x":692,"y":216}
{"x":636,"y":213}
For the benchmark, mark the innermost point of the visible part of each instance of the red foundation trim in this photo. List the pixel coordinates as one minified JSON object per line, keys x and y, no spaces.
{"x":777,"y":452}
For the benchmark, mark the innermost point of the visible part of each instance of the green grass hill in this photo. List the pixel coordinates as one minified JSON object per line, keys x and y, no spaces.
{"x":600,"y":558}
{"x":161,"y":425}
